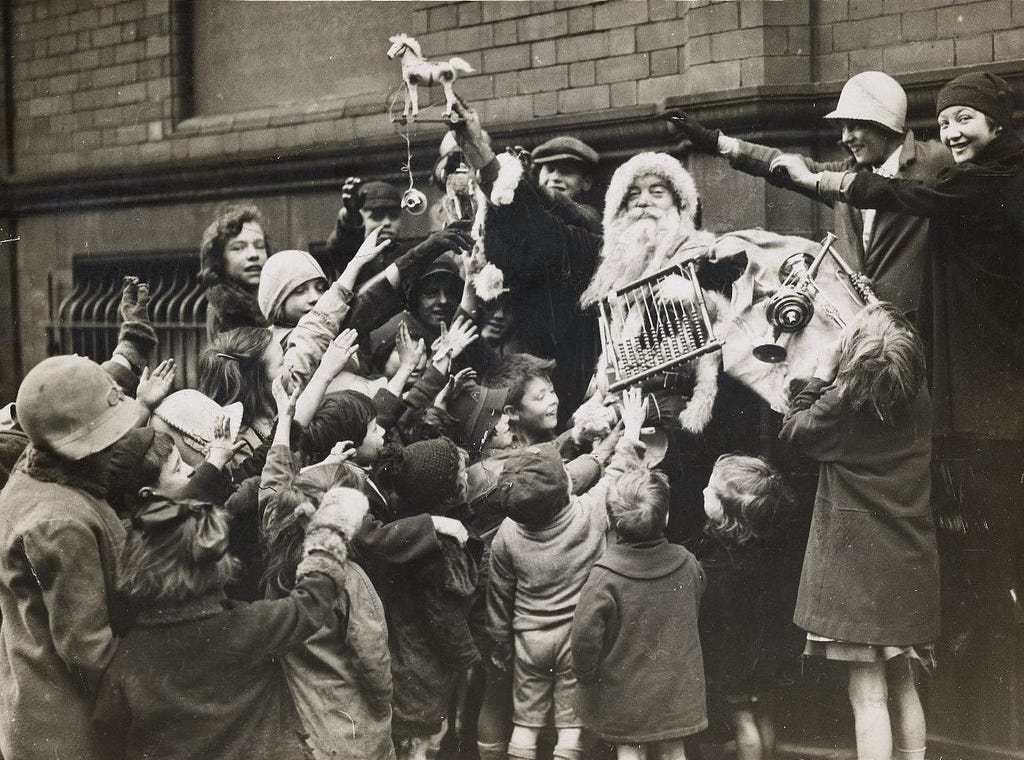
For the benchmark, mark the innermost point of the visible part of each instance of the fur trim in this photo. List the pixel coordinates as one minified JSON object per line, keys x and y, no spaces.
{"x":510,"y":172}
{"x":50,"y":468}
{"x":235,"y":305}
{"x":697,"y":414}
{"x":322,"y":563}
{"x":345,"y":508}
{"x":660,"y":164}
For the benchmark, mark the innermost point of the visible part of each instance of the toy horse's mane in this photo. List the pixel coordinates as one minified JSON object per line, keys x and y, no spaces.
{"x":410,"y":42}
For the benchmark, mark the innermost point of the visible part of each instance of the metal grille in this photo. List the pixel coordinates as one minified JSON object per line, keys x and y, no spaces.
{"x":84,"y":307}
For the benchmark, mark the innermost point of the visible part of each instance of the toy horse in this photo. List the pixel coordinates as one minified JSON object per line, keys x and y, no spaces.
{"x":417,"y":71}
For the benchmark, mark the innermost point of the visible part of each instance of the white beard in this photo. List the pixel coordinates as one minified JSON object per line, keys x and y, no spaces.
{"x":636,"y":244}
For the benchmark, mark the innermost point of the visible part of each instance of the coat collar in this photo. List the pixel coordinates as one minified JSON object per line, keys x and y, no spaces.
{"x":646,"y":560}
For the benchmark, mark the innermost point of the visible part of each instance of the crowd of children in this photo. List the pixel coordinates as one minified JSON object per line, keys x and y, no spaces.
{"x":342,"y":545}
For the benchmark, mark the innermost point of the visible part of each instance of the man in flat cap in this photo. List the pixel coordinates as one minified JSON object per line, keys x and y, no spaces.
{"x":365,"y":207}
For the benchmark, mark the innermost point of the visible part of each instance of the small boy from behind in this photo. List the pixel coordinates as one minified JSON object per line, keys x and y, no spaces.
{"x":540,"y":559}
{"x":635,"y":644}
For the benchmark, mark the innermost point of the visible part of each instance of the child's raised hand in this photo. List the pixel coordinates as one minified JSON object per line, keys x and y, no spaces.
{"x":456,"y":384}
{"x":222,"y":447}
{"x":462,"y":333}
{"x":154,"y":386}
{"x":285,"y":401}
{"x":342,"y":452}
{"x":603,"y":449}
{"x":409,"y":351}
{"x":339,"y":352}
{"x":370,"y":248}
{"x":634,"y":412}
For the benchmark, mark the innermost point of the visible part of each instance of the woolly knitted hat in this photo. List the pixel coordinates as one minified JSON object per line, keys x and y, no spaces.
{"x":659,"y":164}
{"x":282,"y":273}
{"x":875,"y":97}
{"x":533,"y":485}
{"x":981,"y":91}
{"x":477,"y":410}
{"x":425,"y":475}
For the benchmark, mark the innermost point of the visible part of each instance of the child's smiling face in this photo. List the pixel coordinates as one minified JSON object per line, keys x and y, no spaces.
{"x":538,"y":410}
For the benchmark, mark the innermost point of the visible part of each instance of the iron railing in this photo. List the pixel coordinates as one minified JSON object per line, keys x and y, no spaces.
{"x":84,"y":307}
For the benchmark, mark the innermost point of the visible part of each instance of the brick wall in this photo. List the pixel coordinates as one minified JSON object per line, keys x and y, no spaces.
{"x":905,"y":36}
{"x":104,"y":84}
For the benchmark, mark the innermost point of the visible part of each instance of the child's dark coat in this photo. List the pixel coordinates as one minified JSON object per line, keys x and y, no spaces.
{"x":635,"y":646}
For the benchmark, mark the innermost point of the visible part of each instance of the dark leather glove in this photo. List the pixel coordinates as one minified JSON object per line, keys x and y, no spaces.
{"x":704,"y":139}
{"x":415,"y":261}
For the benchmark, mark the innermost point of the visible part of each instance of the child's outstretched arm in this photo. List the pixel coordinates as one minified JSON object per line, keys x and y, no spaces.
{"x":136,"y":338}
{"x":335,"y":358}
{"x":320,"y":325}
{"x":155,"y":385}
{"x":814,"y":422}
{"x":627,"y":454}
{"x":280,"y":468}
{"x":210,"y":482}
{"x":273,"y":627}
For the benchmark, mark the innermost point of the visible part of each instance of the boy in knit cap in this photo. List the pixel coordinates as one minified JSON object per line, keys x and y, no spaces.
{"x":540,"y":559}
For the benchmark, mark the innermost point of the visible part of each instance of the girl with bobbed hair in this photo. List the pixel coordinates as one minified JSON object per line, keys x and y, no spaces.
{"x":233,"y":251}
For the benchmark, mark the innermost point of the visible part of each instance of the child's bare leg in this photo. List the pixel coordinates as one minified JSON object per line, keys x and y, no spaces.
{"x":908,"y":722}
{"x":869,"y":698}
{"x":630,"y":752}
{"x":523,"y":744}
{"x":669,"y":749}
{"x":746,"y":732}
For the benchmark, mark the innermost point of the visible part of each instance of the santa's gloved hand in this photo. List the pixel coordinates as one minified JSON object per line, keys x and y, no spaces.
{"x":704,"y":139}
{"x":412,"y":263}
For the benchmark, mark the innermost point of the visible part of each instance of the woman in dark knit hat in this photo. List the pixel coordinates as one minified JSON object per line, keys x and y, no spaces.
{"x":970,"y":319}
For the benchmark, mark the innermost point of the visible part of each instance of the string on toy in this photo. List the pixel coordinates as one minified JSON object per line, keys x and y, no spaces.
{"x":413,"y":201}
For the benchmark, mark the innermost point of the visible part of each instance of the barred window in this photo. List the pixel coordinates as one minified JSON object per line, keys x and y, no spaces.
{"x":84,"y":315}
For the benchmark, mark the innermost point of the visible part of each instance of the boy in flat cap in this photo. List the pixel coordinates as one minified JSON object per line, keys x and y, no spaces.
{"x":364,"y":207}
{"x":566,"y":165}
